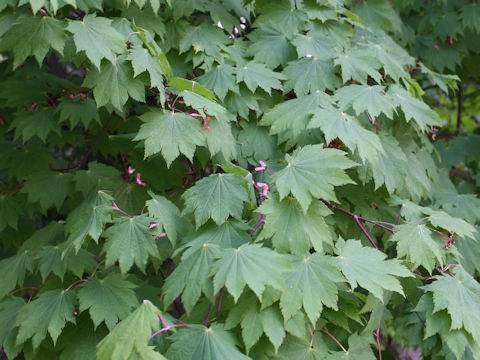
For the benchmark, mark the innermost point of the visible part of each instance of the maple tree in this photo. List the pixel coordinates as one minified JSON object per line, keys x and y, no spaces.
{"x":222,"y":179}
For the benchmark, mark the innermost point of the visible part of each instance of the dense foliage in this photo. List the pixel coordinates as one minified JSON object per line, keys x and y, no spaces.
{"x":193,"y":179}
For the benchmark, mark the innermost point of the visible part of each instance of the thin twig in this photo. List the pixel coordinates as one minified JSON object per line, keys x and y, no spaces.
{"x":365,"y":232}
{"x":334,"y":339}
{"x":377,"y":335}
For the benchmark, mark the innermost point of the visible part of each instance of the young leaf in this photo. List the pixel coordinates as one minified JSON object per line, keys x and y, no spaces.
{"x":98,"y":39}
{"x":171,"y":134}
{"x":210,"y":343}
{"x":50,"y":261}
{"x":109,"y":299}
{"x":129,"y":241}
{"x":129,"y":339}
{"x":368,"y":268}
{"x":312,"y":172}
{"x":251,"y":265}
{"x":311,"y":285}
{"x":291,"y":228}
{"x":216,"y":197}
{"x":49,"y":312}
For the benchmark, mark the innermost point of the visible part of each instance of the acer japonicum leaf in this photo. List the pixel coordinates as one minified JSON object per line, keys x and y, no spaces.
{"x":216,"y":196}
{"x":129,"y":339}
{"x":312,"y":172}
{"x":130,"y":241}
{"x":49,"y":312}
{"x":191,"y":154}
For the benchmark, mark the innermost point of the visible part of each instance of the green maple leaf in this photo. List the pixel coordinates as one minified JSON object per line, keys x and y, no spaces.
{"x":129,"y":241}
{"x":255,"y":141}
{"x":98,"y":177}
{"x":310,"y":45}
{"x":232,"y":233}
{"x":89,"y":219}
{"x":299,"y":349}
{"x":142,"y":60}
{"x":365,"y":98}
{"x":42,"y":33}
{"x":75,"y":112}
{"x":416,"y":243}
{"x":358,"y":349}
{"x":113,"y":83}
{"x":79,"y":341}
{"x":392,"y":165}
{"x":9,"y":310}
{"x":220,"y":79}
{"x":49,"y":312}
{"x":312,"y":172}
{"x":191,"y":276}
{"x":50,"y":261}
{"x":368,"y":268}
{"x":470,"y":252}
{"x":311,"y":285}
{"x":35,"y":123}
{"x":243,"y":102}
{"x":293,"y":115}
{"x":270,"y":45}
{"x":463,"y":206}
{"x":170,"y":133}
{"x":48,"y":188}
{"x":379,"y":14}
{"x":216,"y":196}
{"x":358,"y":64}
{"x":459,"y":226}
{"x":460,"y":296}
{"x":98,"y":38}
{"x":413,"y":108}
{"x":251,"y":265}
{"x":166,"y":213}
{"x":80,"y":262}
{"x":471,"y":17}
{"x":291,"y":228}
{"x":256,"y":75}
{"x":129,"y":339}
{"x":211,"y":343}
{"x":9,"y":212}
{"x":109,"y":299}
{"x":219,"y":137}
{"x":283,"y":15}
{"x":14,"y":269}
{"x":337,"y":123}
{"x":255,"y":321}
{"x":310,"y":74}
{"x":204,"y":38}
{"x":184,"y":85}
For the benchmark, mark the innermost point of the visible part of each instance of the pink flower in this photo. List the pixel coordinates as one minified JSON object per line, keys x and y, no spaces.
{"x":138,"y":181}
{"x":130,"y":170}
{"x":265,"y":187}
{"x":260,"y":168}
{"x":153,"y":225}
